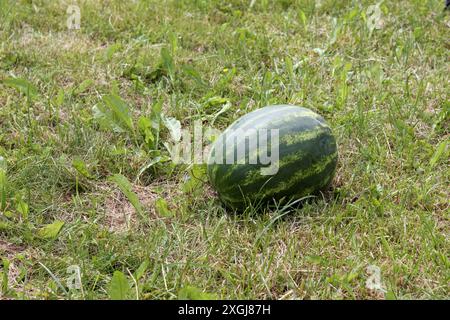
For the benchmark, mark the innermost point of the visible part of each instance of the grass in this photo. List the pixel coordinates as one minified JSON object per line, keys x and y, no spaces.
{"x":85,"y":179}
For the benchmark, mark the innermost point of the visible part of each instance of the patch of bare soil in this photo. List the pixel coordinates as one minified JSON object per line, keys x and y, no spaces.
{"x":120,"y":214}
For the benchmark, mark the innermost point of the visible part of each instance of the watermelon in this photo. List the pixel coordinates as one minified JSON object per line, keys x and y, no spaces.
{"x":303,"y":162}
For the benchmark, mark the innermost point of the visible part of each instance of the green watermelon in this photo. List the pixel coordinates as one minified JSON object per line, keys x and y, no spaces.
{"x":304,"y":163}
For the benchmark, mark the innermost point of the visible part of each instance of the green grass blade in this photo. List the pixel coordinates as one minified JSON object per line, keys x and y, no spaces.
{"x":119,"y":287}
{"x":120,"y":111}
{"x":125,"y":186}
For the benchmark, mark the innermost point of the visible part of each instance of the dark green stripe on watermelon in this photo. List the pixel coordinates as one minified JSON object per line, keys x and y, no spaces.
{"x":227,"y":173}
{"x":307,"y":154}
{"x":299,"y":188}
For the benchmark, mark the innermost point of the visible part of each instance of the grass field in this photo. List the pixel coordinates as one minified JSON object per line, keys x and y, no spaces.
{"x":86,"y":181}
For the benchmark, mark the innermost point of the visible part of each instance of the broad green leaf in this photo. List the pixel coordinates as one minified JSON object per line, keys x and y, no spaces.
{"x":314,"y":259}
{"x":162,"y":208}
{"x":191,"y":72}
{"x":4,"y":226}
{"x":195,"y":179}
{"x":105,"y":118}
{"x":111,"y":50}
{"x":22,"y":85}
{"x":51,"y":231}
{"x":191,"y":184}
{"x":59,"y":99}
{"x":83,"y":86}
{"x":119,"y":286}
{"x":174,"y":127}
{"x":390,"y":295}
{"x":9,"y":214}
{"x":81,"y":167}
{"x":193,"y":293}
{"x":120,"y":112}
{"x":217,"y":101}
{"x":155,"y":117}
{"x":141,"y":270}
{"x":440,"y":150}
{"x":145,"y":127}
{"x":22,"y":207}
{"x":303,"y":18}
{"x":125,"y":186}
